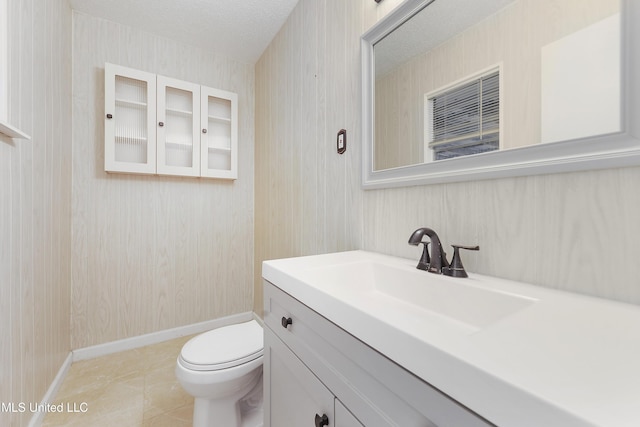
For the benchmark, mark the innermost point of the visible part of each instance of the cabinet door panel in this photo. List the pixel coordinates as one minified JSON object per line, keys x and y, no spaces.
{"x":344,"y":418}
{"x":219,"y":123}
{"x":293,"y":395}
{"x":130,"y":108}
{"x":178,"y":127}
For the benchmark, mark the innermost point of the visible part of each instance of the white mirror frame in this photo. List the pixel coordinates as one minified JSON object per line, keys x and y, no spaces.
{"x":607,"y":151}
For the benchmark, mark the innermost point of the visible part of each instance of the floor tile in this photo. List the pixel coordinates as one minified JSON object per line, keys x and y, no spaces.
{"x":133,"y":388}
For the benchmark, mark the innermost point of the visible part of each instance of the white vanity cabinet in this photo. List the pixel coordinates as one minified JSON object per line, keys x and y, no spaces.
{"x":313,"y":368}
{"x":159,"y":125}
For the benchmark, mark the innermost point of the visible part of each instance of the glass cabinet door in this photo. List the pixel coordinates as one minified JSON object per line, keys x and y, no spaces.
{"x":178,"y":133}
{"x":219,"y":140}
{"x":130,"y":138}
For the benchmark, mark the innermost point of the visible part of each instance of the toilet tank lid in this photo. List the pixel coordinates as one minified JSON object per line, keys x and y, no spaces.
{"x":224,"y":345}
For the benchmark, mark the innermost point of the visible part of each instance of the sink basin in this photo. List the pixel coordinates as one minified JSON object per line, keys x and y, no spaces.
{"x":405,"y":287}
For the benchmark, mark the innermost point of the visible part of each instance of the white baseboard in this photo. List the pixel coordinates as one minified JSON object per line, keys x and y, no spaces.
{"x":38,"y":417}
{"x":157,"y":337}
{"x":258,"y":319}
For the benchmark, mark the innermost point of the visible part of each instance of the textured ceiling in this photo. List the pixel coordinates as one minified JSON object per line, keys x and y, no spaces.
{"x":238,"y":29}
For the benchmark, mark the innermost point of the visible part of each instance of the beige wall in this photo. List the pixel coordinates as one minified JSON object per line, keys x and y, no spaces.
{"x":574,"y":231}
{"x":308,"y":198}
{"x":35,"y":202}
{"x":512,"y":38}
{"x":152,"y":253}
{"x":567,"y":231}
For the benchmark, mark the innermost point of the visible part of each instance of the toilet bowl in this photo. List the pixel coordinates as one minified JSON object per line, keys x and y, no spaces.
{"x":222,"y":370}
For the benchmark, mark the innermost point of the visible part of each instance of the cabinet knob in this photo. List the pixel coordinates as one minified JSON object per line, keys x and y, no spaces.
{"x":286,"y":321}
{"x":204,"y":131}
{"x":109,"y":116}
{"x":322,"y":420}
{"x":160,"y":124}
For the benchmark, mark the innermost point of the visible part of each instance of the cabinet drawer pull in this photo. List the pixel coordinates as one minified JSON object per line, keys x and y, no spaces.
{"x":161,"y":124}
{"x":204,"y":131}
{"x":109,"y":116}
{"x":286,"y":321}
{"x":322,"y":420}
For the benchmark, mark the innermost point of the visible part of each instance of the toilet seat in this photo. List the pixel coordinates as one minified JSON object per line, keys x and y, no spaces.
{"x":223,"y":348}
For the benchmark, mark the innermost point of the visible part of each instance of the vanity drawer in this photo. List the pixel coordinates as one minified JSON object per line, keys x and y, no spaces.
{"x":374,"y":388}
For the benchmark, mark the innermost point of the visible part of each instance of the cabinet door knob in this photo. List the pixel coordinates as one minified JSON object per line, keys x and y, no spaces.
{"x":204,"y":131}
{"x":161,"y":124}
{"x":322,"y":420}
{"x":286,"y":321}
{"x":109,"y":116}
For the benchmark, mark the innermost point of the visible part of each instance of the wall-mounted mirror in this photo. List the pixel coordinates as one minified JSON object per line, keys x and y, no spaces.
{"x":465,"y":89}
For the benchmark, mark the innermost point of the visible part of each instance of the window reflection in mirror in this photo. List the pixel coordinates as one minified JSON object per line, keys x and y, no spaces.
{"x":559,"y":63}
{"x":463,"y":118}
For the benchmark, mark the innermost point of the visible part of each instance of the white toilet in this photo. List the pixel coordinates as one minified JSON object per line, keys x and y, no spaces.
{"x":222,"y":370}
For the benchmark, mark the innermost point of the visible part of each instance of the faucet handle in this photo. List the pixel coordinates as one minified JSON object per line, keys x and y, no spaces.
{"x":469,"y":248}
{"x":456,"y":269}
{"x":424,"y":262}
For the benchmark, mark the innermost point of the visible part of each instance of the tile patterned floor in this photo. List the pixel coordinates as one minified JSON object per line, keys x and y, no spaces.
{"x":134,"y":388}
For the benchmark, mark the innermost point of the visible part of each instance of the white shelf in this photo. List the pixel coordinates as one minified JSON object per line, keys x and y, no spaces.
{"x":179,"y":112}
{"x":129,"y":103}
{"x":12,"y":131}
{"x":173,"y":144}
{"x":220,"y":119}
{"x":220,"y":149}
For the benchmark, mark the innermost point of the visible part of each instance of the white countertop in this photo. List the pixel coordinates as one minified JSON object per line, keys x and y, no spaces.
{"x":564,"y":360}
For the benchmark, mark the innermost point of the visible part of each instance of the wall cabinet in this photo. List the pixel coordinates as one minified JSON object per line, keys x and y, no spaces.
{"x":313,"y":368}
{"x":159,"y":125}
